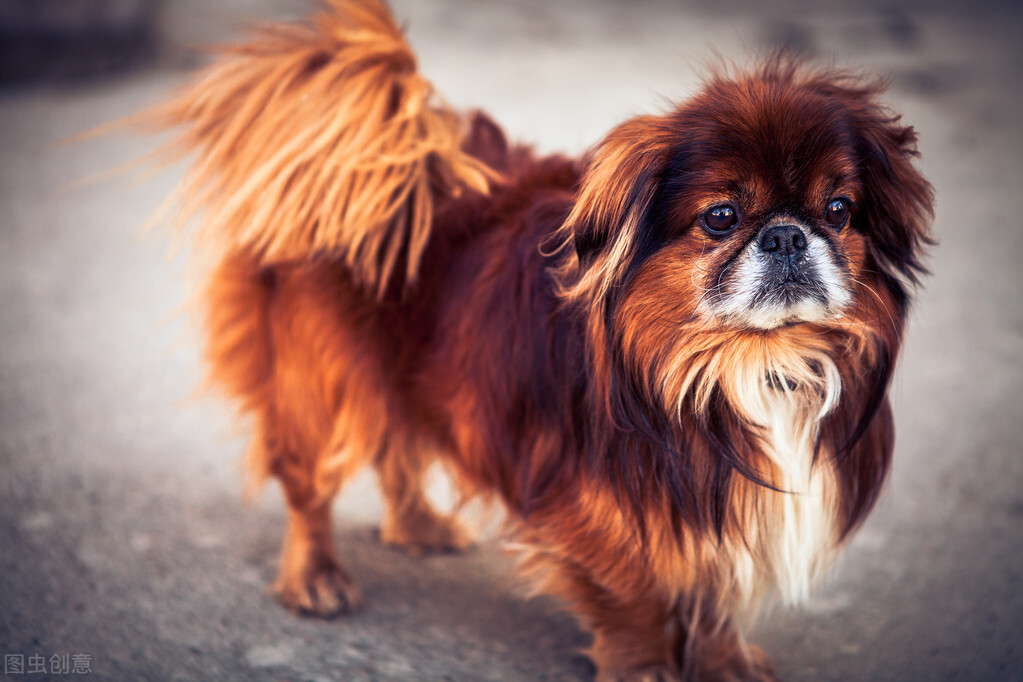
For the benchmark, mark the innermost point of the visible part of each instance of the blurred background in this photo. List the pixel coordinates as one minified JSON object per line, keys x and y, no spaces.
{"x":124,"y":539}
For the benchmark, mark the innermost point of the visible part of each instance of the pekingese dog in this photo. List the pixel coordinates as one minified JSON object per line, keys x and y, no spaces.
{"x":669,"y":359}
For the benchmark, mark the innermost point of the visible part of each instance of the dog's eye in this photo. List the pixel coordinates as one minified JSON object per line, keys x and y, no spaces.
{"x":837,"y":212}
{"x":720,"y":220}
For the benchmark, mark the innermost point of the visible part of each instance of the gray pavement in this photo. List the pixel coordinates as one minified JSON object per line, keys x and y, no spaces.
{"x":123,"y":533}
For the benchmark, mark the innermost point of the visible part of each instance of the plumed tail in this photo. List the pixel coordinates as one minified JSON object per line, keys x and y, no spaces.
{"x":320,"y":140}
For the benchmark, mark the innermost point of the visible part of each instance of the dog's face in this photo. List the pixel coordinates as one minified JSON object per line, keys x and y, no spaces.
{"x":758,"y":205}
{"x":765,"y":201}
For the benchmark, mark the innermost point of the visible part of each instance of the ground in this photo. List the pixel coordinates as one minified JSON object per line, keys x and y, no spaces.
{"x":124,"y":535}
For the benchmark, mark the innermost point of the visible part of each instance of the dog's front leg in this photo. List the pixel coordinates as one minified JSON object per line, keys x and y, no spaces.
{"x":646,"y":631}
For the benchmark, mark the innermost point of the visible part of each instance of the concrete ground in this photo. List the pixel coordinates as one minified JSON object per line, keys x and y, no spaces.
{"x":123,"y":534}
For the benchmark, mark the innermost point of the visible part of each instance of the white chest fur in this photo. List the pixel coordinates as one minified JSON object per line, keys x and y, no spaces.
{"x":790,"y":534}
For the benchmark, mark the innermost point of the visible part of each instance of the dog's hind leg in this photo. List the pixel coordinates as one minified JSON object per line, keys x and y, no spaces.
{"x":312,"y":580}
{"x":245,"y":353}
{"x":410,"y":521}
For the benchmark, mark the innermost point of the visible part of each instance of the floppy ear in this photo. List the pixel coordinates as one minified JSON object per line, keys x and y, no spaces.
{"x":898,"y":203}
{"x":618,"y":187}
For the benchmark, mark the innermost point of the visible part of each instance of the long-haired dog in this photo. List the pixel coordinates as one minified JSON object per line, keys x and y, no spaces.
{"x":670,"y":359}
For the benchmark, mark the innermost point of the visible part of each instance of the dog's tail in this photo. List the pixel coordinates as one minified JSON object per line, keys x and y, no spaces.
{"x":321,"y":140}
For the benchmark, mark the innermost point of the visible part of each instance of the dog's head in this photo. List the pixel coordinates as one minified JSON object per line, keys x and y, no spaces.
{"x":758,"y":239}
{"x":769,"y":199}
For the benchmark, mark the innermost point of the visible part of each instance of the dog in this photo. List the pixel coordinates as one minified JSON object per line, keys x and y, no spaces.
{"x":668,"y":359}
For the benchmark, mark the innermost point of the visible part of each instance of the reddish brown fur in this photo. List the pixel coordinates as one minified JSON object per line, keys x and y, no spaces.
{"x":540,"y":331}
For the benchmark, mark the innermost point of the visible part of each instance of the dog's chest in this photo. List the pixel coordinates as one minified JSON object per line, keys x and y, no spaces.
{"x":791,"y":532}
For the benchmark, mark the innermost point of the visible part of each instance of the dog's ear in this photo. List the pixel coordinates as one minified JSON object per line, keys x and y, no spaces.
{"x":618,"y":187}
{"x":486,"y":141}
{"x":898,"y":203}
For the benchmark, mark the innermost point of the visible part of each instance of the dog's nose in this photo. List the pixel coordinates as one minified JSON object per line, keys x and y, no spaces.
{"x":783,"y":241}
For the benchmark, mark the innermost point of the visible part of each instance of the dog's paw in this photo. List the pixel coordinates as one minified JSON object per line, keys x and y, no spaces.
{"x":422,"y":531}
{"x":322,"y":589}
{"x":756,"y":667}
{"x":762,"y":667}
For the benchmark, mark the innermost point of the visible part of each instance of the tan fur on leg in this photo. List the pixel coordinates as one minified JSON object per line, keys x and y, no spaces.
{"x":410,"y":521}
{"x":312,"y":579}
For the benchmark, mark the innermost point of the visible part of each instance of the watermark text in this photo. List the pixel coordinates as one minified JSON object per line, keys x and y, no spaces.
{"x":56,"y":664}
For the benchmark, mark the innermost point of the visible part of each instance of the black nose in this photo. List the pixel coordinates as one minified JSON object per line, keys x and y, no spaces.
{"x":783,"y":241}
